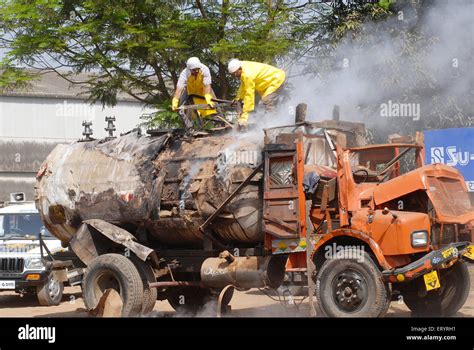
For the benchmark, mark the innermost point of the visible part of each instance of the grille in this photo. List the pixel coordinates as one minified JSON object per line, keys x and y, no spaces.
{"x":281,"y":173}
{"x":12,"y":264}
{"x":451,"y":233}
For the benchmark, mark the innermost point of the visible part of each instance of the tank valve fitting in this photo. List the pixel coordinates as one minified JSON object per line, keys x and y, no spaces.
{"x":227,"y":256}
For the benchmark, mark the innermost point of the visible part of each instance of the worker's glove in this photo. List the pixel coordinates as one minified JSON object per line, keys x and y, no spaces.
{"x":243,"y":118}
{"x":208,"y":99}
{"x":174,"y":104}
{"x":242,"y":123}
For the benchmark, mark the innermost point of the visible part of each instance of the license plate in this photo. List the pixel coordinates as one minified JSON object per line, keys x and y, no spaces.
{"x":7,"y":284}
{"x":449,"y":252}
{"x":469,"y":253}
{"x":432,"y":280}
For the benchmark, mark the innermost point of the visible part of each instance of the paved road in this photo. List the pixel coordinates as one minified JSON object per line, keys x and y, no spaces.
{"x":244,"y":304}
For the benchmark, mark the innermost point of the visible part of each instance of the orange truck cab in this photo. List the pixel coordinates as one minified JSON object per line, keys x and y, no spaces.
{"x":382,"y":225}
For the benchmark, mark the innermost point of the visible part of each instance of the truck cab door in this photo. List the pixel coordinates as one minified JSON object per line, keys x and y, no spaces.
{"x":284,"y":213}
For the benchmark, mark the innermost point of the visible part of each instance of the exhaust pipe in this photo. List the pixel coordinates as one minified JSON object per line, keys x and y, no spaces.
{"x":243,"y":272}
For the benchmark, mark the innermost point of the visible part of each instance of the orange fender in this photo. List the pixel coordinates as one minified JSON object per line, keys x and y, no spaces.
{"x":355,"y":234}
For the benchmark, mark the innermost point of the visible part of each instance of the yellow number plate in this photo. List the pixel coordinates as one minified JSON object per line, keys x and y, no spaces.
{"x":469,"y":253}
{"x":432,"y":280}
{"x":449,"y":252}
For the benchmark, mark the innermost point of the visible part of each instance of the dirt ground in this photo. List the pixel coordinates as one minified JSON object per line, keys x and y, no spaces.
{"x":251,"y":303}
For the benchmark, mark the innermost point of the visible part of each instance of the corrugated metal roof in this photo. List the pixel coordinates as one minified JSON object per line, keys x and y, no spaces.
{"x":52,"y":85}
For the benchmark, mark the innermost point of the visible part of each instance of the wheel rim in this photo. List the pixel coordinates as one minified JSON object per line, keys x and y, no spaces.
{"x":106,"y":280}
{"x":349,"y":290}
{"x":54,"y":288}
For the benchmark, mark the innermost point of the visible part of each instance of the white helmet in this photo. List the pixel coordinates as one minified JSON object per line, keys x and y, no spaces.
{"x":233,"y":65}
{"x":193,"y":63}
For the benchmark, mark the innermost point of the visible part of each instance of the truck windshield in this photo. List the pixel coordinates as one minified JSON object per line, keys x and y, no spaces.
{"x":378,"y":165}
{"x":22,"y":226}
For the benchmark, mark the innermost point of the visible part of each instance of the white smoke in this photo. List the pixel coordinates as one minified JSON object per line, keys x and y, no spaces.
{"x":433,"y":74}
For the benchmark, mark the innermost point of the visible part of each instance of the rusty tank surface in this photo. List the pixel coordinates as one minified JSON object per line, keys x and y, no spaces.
{"x":165,"y":184}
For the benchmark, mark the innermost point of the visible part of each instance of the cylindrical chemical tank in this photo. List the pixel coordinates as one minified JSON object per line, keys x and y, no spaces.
{"x":165,"y":184}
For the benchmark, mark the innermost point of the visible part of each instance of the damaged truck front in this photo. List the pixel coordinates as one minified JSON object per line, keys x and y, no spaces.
{"x":187,"y":219}
{"x":414,"y":224}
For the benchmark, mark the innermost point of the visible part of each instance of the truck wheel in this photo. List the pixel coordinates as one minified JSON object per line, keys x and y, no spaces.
{"x":51,"y":292}
{"x":189,"y":299}
{"x":351,"y":287}
{"x":149,"y":294}
{"x":117,"y":272}
{"x":444,"y":301}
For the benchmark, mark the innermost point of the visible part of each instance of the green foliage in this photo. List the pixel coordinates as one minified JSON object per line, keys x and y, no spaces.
{"x":163,"y":118}
{"x":139,"y":47}
{"x":14,"y":78}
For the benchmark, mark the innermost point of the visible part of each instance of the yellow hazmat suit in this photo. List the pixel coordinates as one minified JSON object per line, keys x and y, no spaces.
{"x":195,"y":86}
{"x":259,"y":77}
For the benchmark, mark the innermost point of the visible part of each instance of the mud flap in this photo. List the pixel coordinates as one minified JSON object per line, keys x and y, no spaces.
{"x":85,"y":248}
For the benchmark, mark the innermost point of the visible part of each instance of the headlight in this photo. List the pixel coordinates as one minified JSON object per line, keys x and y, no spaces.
{"x":34,"y":264}
{"x":419,"y":239}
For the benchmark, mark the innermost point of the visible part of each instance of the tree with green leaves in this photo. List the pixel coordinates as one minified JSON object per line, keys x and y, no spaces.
{"x":140,"y":46}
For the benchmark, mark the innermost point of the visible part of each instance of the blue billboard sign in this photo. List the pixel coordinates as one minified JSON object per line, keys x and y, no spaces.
{"x":453,"y":147}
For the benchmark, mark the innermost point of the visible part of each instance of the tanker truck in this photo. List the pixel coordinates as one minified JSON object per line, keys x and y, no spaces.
{"x":187,"y":219}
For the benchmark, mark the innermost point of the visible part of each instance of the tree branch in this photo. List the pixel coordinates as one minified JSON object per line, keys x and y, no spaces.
{"x":201,"y":8}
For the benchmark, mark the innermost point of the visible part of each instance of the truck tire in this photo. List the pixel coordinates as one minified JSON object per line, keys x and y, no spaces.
{"x":351,"y":287}
{"x":117,"y":272}
{"x":149,"y":294}
{"x":51,"y":292}
{"x":444,"y":301}
{"x":189,"y":300}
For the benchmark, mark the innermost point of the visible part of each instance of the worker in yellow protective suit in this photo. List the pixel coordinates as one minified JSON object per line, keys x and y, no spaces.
{"x":196,"y":78}
{"x":266,"y":80}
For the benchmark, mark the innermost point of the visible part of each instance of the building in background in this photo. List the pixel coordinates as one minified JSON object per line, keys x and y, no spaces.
{"x":49,"y":112}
